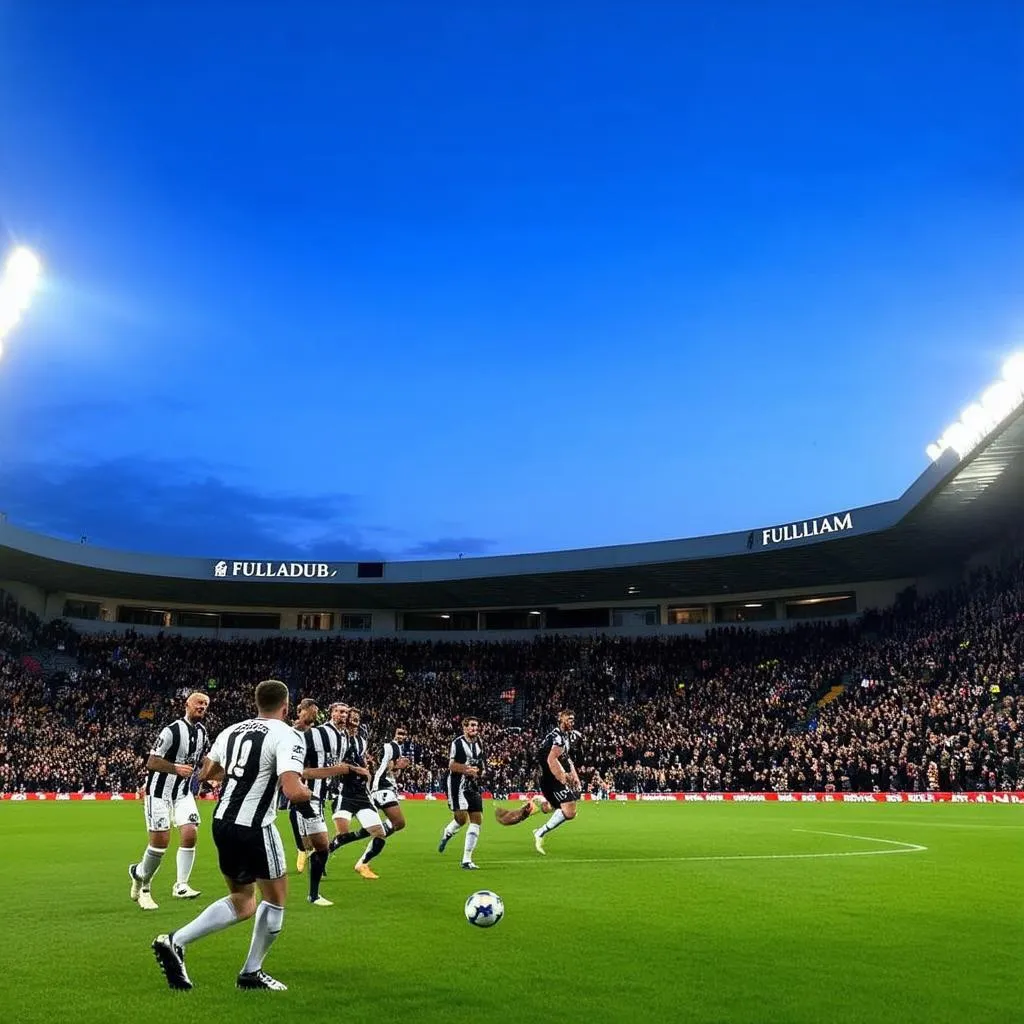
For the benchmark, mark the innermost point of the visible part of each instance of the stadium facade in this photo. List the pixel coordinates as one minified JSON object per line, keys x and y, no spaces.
{"x":963,"y":510}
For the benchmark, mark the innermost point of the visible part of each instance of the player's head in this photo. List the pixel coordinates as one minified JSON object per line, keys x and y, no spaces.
{"x":354,"y":718}
{"x":196,"y":705}
{"x":471,"y":727}
{"x":272,"y":699}
{"x":566,"y":719}
{"x":306,"y":712}
{"x":339,"y":714}
{"x":401,"y":733}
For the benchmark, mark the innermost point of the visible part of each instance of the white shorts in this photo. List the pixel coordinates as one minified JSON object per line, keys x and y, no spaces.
{"x":367,"y":817}
{"x":163,"y":815}
{"x":384,"y":797}
{"x":312,"y":826}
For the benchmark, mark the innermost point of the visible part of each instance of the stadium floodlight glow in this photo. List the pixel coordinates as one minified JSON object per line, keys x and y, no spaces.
{"x":22,"y":271}
{"x":980,"y":418}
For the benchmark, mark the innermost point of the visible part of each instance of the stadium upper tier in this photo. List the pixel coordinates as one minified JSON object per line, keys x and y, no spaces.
{"x":955,"y":508}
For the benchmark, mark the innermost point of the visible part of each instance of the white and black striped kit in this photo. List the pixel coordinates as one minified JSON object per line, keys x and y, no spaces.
{"x":181,"y":742}
{"x":254,"y":755}
{"x":384,"y":776}
{"x":470,"y":753}
{"x":556,"y":738}
{"x":353,"y":787}
{"x":325,"y":747}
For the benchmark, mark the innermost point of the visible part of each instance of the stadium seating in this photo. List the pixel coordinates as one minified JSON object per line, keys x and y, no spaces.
{"x":931,"y":699}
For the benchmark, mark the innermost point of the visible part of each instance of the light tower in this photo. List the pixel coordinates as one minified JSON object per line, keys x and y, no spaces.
{"x":20,"y":281}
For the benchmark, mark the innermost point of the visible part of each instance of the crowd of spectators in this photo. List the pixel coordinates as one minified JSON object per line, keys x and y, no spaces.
{"x":932,"y":699}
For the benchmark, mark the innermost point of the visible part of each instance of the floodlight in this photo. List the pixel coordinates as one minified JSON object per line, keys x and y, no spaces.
{"x":1013,"y":370}
{"x":20,"y":280}
{"x":979,"y":419}
{"x":22,"y":269}
{"x":973,"y":419}
{"x":999,"y":401}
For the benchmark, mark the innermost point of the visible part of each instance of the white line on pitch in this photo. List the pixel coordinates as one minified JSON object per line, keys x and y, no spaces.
{"x":904,"y":848}
{"x":896,"y":823}
{"x":909,"y":847}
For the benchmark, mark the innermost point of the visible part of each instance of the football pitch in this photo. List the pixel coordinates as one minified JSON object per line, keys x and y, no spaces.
{"x":697,"y":912}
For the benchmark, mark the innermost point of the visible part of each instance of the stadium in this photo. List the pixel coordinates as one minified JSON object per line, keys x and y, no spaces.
{"x":866,"y":656}
{"x":325,"y":296}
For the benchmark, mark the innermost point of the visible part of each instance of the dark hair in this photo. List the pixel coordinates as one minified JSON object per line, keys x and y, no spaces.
{"x":401,"y":728}
{"x":468,"y":719}
{"x":271,"y":694}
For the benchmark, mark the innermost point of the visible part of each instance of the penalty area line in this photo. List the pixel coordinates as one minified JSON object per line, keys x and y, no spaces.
{"x":902,"y":848}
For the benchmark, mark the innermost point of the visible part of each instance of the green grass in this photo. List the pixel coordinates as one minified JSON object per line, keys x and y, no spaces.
{"x":622,"y":921}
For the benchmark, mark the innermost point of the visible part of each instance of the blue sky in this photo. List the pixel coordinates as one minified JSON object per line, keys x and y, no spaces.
{"x":408,"y":280}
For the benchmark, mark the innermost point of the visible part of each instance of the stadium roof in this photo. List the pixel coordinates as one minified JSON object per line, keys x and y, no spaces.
{"x":954,"y":509}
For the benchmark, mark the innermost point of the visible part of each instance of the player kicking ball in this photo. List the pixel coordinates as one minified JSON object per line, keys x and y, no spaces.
{"x":559,"y":781}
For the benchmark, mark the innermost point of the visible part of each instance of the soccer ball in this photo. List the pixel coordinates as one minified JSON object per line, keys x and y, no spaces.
{"x":484,"y":909}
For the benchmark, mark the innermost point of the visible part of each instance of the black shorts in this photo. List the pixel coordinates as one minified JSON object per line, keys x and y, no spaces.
{"x":555,"y":793}
{"x":353,"y":803}
{"x":462,"y":797}
{"x":248,"y":852}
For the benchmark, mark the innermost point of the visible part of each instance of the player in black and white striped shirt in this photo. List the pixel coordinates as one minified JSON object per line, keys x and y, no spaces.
{"x":354,"y":801}
{"x":169,"y":801}
{"x":255,"y":760}
{"x":559,"y":781}
{"x":384,"y":790}
{"x":384,"y":787}
{"x":323,"y":764}
{"x":465,"y":763}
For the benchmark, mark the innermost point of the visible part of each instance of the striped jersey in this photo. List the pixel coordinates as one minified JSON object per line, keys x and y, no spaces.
{"x":352,"y":785}
{"x":181,"y":742}
{"x":469,"y":753}
{"x":325,"y":747}
{"x":556,"y":738}
{"x":384,"y":776}
{"x":255,"y":754}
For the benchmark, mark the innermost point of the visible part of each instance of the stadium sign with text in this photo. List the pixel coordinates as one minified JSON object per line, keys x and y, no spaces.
{"x":823,"y":527}
{"x":274,"y":570}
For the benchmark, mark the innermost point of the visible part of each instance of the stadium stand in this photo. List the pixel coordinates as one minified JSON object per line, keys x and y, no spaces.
{"x":931,"y":699}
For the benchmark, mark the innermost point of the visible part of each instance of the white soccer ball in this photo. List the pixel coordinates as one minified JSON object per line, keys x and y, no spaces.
{"x":484,"y":909}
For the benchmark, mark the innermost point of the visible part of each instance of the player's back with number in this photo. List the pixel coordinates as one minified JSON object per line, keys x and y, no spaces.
{"x":254,"y":753}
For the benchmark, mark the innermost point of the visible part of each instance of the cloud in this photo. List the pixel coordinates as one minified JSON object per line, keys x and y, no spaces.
{"x":173,"y":507}
{"x":166,"y":506}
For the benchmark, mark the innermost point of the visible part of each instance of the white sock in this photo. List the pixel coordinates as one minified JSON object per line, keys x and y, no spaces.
{"x":452,"y":827}
{"x":472,"y":834}
{"x":186,"y":858}
{"x":150,"y":864}
{"x":215,"y":918}
{"x":556,"y":819}
{"x":265,"y":929}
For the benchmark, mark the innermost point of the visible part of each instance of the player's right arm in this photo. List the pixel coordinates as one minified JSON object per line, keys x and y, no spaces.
{"x":158,"y":763}
{"x":291,"y":756}
{"x":213,"y":763}
{"x":555,"y":766}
